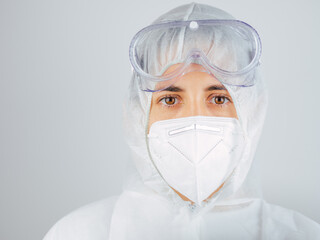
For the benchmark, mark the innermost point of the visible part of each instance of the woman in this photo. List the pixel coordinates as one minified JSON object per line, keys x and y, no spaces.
{"x":193,"y":117}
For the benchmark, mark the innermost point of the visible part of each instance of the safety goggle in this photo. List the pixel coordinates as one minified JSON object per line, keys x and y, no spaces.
{"x":229,"y":50}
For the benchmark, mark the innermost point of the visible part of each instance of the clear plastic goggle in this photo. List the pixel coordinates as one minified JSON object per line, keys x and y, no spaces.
{"x":229,"y":50}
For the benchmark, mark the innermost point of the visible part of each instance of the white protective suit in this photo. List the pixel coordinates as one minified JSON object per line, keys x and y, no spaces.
{"x":149,"y":209}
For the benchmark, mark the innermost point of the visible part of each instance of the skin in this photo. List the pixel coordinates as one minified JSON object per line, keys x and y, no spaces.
{"x":196,"y":93}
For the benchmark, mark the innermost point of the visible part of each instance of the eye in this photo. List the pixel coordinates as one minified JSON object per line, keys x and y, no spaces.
{"x":220,"y":100}
{"x":169,"y":101}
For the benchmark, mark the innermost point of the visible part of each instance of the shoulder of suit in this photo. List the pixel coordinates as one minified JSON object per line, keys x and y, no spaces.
{"x":91,"y":221}
{"x":290,"y":220}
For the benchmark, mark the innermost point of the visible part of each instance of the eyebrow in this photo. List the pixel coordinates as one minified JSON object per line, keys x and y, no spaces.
{"x":173,"y":89}
{"x":210,"y":88}
{"x":216,"y":87}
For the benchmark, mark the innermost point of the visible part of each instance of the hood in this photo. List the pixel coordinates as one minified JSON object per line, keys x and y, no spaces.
{"x":251,"y":105}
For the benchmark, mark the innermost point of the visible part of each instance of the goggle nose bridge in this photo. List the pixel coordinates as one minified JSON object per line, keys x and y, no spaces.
{"x":195,"y":53}
{"x":197,"y":56}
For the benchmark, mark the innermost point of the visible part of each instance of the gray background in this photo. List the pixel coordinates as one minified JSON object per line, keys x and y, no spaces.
{"x":64,"y":71}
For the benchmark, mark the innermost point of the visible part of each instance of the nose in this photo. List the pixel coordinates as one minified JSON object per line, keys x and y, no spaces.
{"x":197,"y":107}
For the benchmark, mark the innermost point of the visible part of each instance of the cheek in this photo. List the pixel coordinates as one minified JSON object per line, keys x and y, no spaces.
{"x":159,"y":113}
{"x":234,"y":113}
{"x":156,"y":114}
{"x":227,"y":110}
{"x":231,"y":111}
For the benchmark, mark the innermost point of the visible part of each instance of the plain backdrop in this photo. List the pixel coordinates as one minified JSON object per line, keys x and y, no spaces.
{"x":64,"y":72}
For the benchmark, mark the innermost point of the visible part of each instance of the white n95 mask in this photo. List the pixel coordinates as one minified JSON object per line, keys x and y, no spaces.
{"x":195,"y":155}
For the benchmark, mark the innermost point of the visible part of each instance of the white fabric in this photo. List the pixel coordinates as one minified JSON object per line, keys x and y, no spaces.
{"x":196,"y":155}
{"x":88,"y":222}
{"x":254,"y":219}
{"x":149,"y":209}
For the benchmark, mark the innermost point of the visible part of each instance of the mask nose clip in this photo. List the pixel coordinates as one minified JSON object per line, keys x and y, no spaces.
{"x":193,"y":127}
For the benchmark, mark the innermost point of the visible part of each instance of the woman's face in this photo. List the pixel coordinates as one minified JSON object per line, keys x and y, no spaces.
{"x":196,"y":93}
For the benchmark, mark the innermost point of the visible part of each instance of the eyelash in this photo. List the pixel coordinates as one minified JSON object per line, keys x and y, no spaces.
{"x":211,"y":97}
{"x":161,"y":100}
